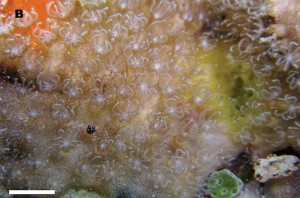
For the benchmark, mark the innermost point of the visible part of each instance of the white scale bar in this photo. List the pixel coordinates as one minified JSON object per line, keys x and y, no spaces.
{"x":31,"y":192}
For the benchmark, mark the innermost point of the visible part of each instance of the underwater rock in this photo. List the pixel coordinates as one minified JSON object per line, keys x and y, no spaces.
{"x":251,"y":190}
{"x":275,"y":166}
{"x":286,"y":187}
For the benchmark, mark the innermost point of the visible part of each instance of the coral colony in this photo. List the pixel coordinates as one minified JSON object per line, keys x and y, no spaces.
{"x":150,"y":98}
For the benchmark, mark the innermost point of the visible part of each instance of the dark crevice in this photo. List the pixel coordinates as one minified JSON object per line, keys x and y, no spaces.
{"x":9,"y":75}
{"x":12,"y":76}
{"x":241,"y":166}
{"x":288,"y":151}
{"x":268,"y":20}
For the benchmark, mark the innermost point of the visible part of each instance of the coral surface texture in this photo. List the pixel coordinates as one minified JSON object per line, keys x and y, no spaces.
{"x":150,"y":98}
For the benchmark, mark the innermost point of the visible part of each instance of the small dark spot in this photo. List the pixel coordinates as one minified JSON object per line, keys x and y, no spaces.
{"x":257,"y":163}
{"x":272,"y":162}
{"x":258,"y":176}
{"x":296,"y":163}
{"x":14,"y":146}
{"x":105,"y":88}
{"x":9,"y":75}
{"x":288,"y":171}
{"x":250,"y":93}
{"x":268,"y":20}
{"x":239,"y":82}
{"x":271,"y":155}
{"x":91,"y":129}
{"x":275,"y":175}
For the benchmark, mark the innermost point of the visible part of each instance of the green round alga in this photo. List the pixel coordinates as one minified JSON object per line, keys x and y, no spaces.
{"x":224,"y":184}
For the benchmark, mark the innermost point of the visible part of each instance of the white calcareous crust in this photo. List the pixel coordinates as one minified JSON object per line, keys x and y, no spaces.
{"x":275,"y":166}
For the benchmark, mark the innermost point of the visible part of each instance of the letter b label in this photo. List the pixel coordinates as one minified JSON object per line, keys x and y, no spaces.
{"x":19,"y":13}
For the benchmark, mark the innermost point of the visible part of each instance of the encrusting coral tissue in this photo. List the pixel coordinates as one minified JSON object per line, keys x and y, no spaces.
{"x":150,"y":98}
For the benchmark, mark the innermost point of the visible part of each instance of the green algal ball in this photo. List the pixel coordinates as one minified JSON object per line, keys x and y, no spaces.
{"x":224,"y":184}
